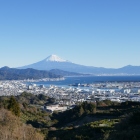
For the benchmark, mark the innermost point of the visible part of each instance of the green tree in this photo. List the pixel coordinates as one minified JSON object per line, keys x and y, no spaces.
{"x":13,"y":106}
{"x":92,"y":108}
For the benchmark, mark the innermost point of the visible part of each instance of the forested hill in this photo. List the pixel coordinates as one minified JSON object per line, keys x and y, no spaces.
{"x":7,"y":73}
{"x":65,"y":73}
{"x":22,"y":117}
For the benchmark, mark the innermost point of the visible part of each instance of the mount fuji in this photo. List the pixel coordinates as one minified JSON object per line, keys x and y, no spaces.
{"x":55,"y":62}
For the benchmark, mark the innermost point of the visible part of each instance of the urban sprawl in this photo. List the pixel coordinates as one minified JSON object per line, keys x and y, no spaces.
{"x":69,"y":96}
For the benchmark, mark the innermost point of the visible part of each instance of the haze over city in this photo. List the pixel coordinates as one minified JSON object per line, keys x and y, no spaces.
{"x":101,"y":33}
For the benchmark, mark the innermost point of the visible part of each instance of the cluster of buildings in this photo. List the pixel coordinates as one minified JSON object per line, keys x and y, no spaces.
{"x":70,"y":95}
{"x":8,"y":88}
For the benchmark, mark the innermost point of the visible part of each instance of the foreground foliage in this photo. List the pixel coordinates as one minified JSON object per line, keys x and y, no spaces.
{"x":104,"y":120}
{"x":11,"y":128}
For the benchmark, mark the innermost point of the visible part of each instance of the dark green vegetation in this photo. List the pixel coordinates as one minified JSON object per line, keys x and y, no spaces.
{"x":13,"y":106}
{"x":104,"y":120}
{"x":7,"y":73}
{"x":77,"y":112}
{"x":110,"y":121}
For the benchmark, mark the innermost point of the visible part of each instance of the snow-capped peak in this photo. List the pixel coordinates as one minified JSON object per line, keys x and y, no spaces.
{"x":55,"y":58}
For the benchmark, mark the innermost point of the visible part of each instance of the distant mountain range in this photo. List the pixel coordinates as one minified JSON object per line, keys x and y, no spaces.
{"x":7,"y":73}
{"x":55,"y":62}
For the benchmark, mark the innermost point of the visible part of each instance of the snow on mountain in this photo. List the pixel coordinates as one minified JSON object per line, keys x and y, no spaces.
{"x":55,"y":62}
{"x":55,"y":58}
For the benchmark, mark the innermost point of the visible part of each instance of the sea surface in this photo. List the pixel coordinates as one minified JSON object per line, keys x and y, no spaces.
{"x":89,"y":80}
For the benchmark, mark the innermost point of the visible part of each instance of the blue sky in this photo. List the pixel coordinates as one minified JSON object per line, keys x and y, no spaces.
{"x":101,"y":33}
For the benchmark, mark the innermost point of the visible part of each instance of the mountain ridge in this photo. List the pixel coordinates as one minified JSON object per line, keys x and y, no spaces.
{"x":7,"y":73}
{"x":55,"y":62}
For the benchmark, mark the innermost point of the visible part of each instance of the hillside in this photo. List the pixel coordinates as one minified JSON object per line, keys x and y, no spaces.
{"x":110,"y":121}
{"x":11,"y":128}
{"x":64,"y":73}
{"x":103,"y":120}
{"x":7,"y":73}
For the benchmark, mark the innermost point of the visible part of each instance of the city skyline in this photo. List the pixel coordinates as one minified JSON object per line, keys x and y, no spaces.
{"x":92,"y":33}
